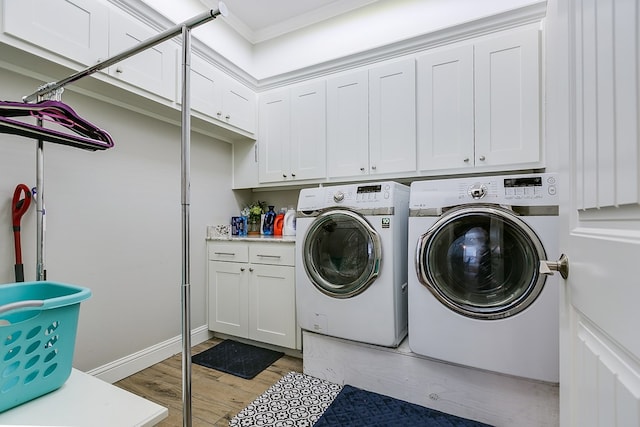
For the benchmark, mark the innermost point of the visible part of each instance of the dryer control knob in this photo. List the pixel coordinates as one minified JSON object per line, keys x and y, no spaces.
{"x":338,"y":197}
{"x":478,"y":191}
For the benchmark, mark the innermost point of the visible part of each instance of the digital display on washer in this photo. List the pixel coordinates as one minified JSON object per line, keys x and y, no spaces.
{"x":535,"y":181}
{"x":370,"y":189}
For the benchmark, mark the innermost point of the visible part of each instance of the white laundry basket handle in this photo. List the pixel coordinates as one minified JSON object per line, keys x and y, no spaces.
{"x":21,"y":304}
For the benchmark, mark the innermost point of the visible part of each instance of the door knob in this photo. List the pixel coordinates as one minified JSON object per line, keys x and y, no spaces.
{"x":561,"y":266}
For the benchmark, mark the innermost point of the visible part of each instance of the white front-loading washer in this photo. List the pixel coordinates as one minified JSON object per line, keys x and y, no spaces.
{"x":351,"y":255}
{"x":476,"y":294}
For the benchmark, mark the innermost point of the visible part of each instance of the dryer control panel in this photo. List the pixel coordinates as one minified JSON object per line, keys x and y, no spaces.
{"x":526,"y":190}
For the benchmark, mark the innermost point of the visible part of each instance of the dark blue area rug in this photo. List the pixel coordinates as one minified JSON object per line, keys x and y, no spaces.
{"x":354,"y":407}
{"x":236,"y":358}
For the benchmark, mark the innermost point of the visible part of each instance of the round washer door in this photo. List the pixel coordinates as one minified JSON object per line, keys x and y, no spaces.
{"x":481,"y":261}
{"x":341,"y":253}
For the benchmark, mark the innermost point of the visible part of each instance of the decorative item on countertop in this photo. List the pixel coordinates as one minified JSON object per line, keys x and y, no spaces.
{"x":278,"y":223}
{"x":289,"y":228}
{"x":269,"y":218}
{"x":218,"y":231}
{"x":253,"y":213}
{"x":238,"y":226}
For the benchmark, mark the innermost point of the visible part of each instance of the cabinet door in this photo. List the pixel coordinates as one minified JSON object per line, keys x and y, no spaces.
{"x":308,"y":131}
{"x":348,"y":125}
{"x":274,"y":136}
{"x":272,"y":311}
{"x":238,"y":105}
{"x":392,"y":118}
{"x":206,"y":91}
{"x":228,"y":296}
{"x":75,"y":29}
{"x":153,"y":69}
{"x":507,"y":98}
{"x":445,"y":109}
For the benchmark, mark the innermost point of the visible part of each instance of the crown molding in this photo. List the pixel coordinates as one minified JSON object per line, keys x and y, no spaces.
{"x":529,"y":14}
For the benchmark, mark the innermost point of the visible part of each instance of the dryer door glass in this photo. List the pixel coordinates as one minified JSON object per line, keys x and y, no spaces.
{"x":341,"y":253}
{"x":482,"y":262}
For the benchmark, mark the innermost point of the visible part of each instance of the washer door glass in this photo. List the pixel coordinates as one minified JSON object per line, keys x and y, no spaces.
{"x":482,"y":262}
{"x":341,"y":253}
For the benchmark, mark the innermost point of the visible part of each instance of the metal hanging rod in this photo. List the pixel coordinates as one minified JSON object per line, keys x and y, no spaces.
{"x":150,"y":42}
{"x":185,"y":30}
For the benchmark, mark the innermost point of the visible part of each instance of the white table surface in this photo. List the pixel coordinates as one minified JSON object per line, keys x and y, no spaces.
{"x":84,"y":400}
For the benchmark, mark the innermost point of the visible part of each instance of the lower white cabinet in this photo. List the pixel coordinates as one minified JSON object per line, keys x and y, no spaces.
{"x":251,"y":291}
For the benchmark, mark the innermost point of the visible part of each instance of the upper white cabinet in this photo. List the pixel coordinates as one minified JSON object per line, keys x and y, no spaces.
{"x":292,"y":134}
{"x":219,"y":96}
{"x":152,"y":69}
{"x":75,"y":29}
{"x":478,"y":103}
{"x":348,"y":124}
{"x":507,"y":98}
{"x":371,"y":121}
{"x":445,"y":109}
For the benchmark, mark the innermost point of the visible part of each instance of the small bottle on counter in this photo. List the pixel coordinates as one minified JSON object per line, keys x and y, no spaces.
{"x":269,"y":219}
{"x":278,"y":223}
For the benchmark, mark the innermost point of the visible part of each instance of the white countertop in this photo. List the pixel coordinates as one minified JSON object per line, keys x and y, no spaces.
{"x":84,"y":400}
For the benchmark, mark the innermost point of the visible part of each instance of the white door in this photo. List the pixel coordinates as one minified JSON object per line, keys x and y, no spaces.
{"x":592,"y":117}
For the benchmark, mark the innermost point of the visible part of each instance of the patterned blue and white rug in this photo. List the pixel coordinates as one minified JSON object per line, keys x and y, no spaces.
{"x":303,"y":401}
{"x":295,"y":400}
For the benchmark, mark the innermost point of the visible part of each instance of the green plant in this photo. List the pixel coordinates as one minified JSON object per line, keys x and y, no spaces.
{"x":254,"y":210}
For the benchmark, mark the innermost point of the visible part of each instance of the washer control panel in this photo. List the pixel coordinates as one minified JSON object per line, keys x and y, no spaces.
{"x":378,"y":194}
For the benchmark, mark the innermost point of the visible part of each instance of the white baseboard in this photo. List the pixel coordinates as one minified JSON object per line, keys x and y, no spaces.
{"x":129,"y":365}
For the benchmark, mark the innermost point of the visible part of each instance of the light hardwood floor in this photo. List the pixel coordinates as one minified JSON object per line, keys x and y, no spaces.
{"x":216,"y":397}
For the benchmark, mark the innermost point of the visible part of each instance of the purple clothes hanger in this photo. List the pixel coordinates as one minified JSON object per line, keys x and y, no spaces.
{"x":87,"y":136}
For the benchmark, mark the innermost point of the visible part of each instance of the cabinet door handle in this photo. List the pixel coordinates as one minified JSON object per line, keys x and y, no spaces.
{"x":481,"y":158}
{"x":241,"y":268}
{"x":225,"y":253}
{"x":466,"y":160}
{"x":362,"y":169}
{"x":251,"y":269}
{"x":293,"y":175}
{"x":219,"y":114}
{"x":373,"y":167}
{"x":227,"y":117}
{"x":268,"y":256}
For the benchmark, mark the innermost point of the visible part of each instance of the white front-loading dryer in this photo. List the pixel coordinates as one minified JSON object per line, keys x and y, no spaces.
{"x":476,"y":294}
{"x":351,"y":255}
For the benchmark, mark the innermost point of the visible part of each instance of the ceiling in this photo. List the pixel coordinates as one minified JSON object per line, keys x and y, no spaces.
{"x":261,"y":20}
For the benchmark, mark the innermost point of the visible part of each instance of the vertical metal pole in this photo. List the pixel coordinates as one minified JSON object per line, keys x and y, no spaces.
{"x":40,"y":221}
{"x":186,"y":201}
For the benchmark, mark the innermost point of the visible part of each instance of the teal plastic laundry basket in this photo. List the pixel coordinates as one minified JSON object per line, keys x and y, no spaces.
{"x":38,"y":324}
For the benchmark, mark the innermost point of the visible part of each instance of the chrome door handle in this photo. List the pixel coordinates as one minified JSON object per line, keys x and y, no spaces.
{"x":561,"y":266}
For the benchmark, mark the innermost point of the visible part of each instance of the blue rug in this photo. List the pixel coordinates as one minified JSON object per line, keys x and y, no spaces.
{"x":354,"y":407}
{"x":236,"y":358}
